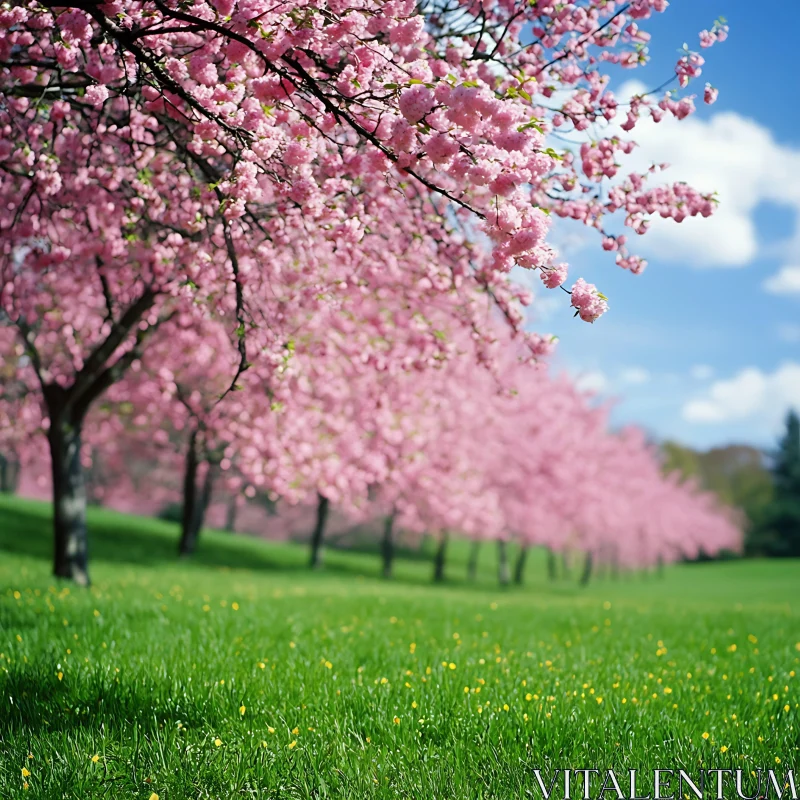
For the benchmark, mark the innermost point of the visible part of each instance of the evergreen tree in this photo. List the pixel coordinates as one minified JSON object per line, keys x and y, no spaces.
{"x":782,"y":521}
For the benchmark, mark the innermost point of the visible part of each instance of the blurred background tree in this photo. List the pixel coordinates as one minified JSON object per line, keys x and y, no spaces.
{"x":779,"y":531}
{"x":765,"y":486}
{"x":738,"y":474}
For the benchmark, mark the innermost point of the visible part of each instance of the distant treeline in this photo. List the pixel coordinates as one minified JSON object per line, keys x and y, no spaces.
{"x":764,"y":485}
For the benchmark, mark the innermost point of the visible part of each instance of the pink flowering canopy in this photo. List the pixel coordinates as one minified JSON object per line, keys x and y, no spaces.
{"x":507,"y":454}
{"x":339,"y":189}
{"x":159,"y":132}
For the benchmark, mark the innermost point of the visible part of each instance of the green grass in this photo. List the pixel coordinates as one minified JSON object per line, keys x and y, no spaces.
{"x":241,"y":674}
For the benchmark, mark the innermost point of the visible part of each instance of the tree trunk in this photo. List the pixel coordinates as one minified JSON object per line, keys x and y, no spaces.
{"x":472,"y":564}
{"x":203,"y":501}
{"x":9,"y":474}
{"x":587,"y":570}
{"x":387,"y":547}
{"x":230,"y":514}
{"x":552,"y":567}
{"x":439,"y":560}
{"x":519,"y":567}
{"x":71,"y":558}
{"x":503,"y":575}
{"x":565,"y":565}
{"x":190,"y":500}
{"x":319,"y":531}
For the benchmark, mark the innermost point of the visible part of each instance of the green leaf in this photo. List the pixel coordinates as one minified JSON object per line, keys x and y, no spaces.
{"x":531,"y":124}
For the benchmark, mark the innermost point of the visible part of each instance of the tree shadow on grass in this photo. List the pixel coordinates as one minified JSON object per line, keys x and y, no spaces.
{"x":25,"y":529}
{"x":114,"y":538}
{"x":121,"y":539}
{"x":40,"y":703}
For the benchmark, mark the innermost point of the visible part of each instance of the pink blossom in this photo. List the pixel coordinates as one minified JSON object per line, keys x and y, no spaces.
{"x":415,"y":102}
{"x":553,"y":277}
{"x":96,"y":95}
{"x":588,"y":301}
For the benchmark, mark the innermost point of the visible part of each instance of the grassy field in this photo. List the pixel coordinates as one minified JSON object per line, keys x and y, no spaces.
{"x":241,"y":674}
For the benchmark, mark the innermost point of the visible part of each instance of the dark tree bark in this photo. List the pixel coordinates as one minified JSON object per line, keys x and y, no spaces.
{"x":71,"y":551}
{"x":317,"y":536}
{"x":230,"y":514}
{"x":440,"y":558}
{"x":503,"y":575}
{"x":196,"y":500}
{"x":552,"y":565}
{"x":204,"y":500}
{"x":188,"y":542}
{"x":472,"y":564}
{"x":9,"y":474}
{"x":387,"y":545}
{"x":587,"y":570}
{"x":519,"y":567}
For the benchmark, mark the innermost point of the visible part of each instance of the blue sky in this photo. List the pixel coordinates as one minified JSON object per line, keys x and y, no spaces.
{"x":704,"y":346}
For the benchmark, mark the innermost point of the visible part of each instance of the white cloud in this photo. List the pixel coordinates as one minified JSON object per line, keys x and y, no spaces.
{"x":593,"y":381}
{"x":634,"y":375}
{"x":785,"y":281}
{"x":751,"y":395}
{"x":568,"y":239}
{"x":701,"y":372}
{"x":546,"y":306}
{"x":727,"y":153}
{"x":789,"y":332}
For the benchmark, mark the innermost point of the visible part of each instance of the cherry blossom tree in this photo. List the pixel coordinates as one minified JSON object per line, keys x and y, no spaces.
{"x":160,"y":159}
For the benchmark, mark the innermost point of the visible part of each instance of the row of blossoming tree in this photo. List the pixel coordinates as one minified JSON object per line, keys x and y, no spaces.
{"x":505,"y":454}
{"x":288,"y":231}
